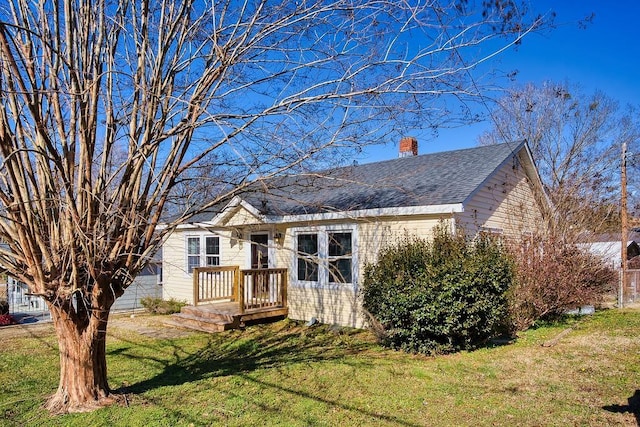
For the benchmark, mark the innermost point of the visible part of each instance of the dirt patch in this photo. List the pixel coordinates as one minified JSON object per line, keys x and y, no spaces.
{"x":147,"y":325}
{"x":150,"y":326}
{"x":33,"y":330}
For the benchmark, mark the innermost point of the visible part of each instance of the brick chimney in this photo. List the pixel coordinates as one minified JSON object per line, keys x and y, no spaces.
{"x":408,"y":147}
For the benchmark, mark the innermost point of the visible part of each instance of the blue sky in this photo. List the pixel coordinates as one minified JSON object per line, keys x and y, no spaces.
{"x":605,"y":56}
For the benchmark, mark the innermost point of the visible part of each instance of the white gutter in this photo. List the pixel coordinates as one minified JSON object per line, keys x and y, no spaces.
{"x":327,"y":216}
{"x":377,"y":212}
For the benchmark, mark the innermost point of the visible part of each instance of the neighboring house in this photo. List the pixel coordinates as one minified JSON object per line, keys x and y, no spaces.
{"x":20,"y":299}
{"x":608,"y":247}
{"x":148,"y":283}
{"x":324,"y":227}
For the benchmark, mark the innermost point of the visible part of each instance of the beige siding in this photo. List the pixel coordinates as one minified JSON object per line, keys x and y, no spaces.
{"x":340,"y":304}
{"x":241,"y":217}
{"x":506,"y":202}
{"x":337,"y":304}
{"x":376,"y":233}
{"x":332,"y":306}
{"x":177,"y":283}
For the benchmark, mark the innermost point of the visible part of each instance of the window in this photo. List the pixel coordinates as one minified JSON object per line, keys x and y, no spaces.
{"x":325,"y":257}
{"x":212,"y":247}
{"x":193,"y":253}
{"x":340,"y":258}
{"x":307,"y":257}
{"x":205,"y":248}
{"x":492,"y":231}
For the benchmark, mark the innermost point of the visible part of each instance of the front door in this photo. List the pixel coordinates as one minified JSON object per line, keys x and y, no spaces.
{"x":259,"y":251}
{"x":259,"y":284}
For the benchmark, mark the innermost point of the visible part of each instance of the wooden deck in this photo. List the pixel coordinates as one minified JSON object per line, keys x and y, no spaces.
{"x":222,"y":316}
{"x":228,"y":298}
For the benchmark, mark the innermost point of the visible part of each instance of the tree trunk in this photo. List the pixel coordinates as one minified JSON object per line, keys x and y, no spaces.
{"x":83,"y":367}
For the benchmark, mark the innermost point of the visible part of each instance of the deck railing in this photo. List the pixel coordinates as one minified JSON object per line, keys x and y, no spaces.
{"x":214,"y":284}
{"x":252,"y":289}
{"x":262,"y":288}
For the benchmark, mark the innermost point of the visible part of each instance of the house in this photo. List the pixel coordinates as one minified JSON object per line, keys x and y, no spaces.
{"x":147,"y":284}
{"x":608,"y":247}
{"x":316,"y":232}
{"x":28,"y":307}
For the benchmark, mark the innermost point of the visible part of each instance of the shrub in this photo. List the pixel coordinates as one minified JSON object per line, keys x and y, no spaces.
{"x":160,"y":306}
{"x":439,"y":296}
{"x":4,"y":307}
{"x":553,"y":277}
{"x":7,"y":319}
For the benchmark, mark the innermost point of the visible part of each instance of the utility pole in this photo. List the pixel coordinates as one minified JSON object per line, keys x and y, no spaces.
{"x":625,"y":226}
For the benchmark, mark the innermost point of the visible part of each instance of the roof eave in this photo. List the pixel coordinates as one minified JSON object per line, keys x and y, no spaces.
{"x":514,"y":152}
{"x":230,"y":210}
{"x":445,"y":209}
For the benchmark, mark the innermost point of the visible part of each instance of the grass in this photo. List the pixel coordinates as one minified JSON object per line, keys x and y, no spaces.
{"x":289,"y":375}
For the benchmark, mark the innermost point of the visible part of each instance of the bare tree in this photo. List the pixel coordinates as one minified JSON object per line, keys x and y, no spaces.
{"x":107,"y":106}
{"x":575,"y":139}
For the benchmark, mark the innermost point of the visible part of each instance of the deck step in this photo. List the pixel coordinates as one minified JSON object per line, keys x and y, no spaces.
{"x":222,"y":316}
{"x":205,"y":312}
{"x":189,"y":321}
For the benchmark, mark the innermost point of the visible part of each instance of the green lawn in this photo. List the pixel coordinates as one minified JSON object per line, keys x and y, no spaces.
{"x":290,"y":375}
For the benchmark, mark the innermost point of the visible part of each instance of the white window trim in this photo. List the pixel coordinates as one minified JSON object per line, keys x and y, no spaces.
{"x":307,"y":283}
{"x":323,"y":256}
{"x":203,"y":250}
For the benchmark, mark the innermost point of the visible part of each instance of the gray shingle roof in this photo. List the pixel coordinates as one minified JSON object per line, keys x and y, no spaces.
{"x":448,"y":177}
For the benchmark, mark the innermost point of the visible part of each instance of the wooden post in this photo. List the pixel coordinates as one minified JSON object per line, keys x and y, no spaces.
{"x":196,"y":285}
{"x":234,"y":284}
{"x":284,"y":288}
{"x":625,"y":226}
{"x":239,"y":279}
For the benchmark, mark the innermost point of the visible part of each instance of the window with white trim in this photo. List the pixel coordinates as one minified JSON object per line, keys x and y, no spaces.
{"x":340,"y":265}
{"x":308,"y":257}
{"x":324,"y":256}
{"x":202,"y":251}
{"x":193,"y":253}
{"x":212,"y":251}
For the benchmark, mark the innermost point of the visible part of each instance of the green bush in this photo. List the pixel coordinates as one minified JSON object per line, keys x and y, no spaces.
{"x":439,"y":296}
{"x":4,"y":307}
{"x":160,"y":306}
